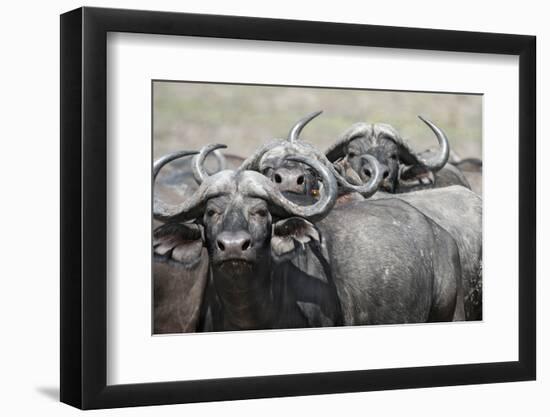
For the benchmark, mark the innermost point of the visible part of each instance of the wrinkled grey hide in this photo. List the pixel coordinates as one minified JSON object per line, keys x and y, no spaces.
{"x":391,"y":264}
{"x":180,"y":273}
{"x":458,"y":211}
{"x":178,"y":293}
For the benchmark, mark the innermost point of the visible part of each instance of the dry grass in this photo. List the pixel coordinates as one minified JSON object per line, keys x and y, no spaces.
{"x":189,"y":115}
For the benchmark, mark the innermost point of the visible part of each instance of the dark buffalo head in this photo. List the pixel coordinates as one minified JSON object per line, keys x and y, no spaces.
{"x":176,"y":181}
{"x":292,"y":177}
{"x":289,"y":176}
{"x":398,"y":163}
{"x":245,"y":221}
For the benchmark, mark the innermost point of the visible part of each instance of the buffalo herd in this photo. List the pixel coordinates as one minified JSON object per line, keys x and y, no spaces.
{"x":366,"y":232}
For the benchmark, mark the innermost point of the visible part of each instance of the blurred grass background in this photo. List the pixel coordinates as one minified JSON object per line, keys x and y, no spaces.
{"x":189,"y":115}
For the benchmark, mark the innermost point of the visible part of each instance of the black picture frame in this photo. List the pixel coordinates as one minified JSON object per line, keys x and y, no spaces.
{"x":84,"y":207}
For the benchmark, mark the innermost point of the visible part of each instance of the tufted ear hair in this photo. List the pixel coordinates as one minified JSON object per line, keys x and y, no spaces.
{"x":344,"y":168}
{"x":179,"y":242}
{"x":290,"y":236}
{"x":414,"y":176}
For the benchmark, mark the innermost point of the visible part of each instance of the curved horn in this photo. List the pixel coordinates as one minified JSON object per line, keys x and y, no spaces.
{"x":199,"y":172}
{"x":373,"y":184}
{"x":159,"y":163}
{"x":190,"y":209}
{"x":165,"y":212}
{"x":336,"y":150}
{"x":252,"y":162}
{"x":437,"y":161}
{"x":294,"y":133}
{"x":366,"y":190}
{"x":316,"y":211}
{"x":220,"y":160}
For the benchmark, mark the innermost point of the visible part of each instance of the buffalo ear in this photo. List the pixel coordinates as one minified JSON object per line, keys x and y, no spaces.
{"x":344,"y":168}
{"x":290,"y":235}
{"x":179,"y":242}
{"x":415,"y":175}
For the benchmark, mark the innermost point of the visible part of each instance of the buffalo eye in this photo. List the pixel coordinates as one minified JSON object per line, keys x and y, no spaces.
{"x":352,"y":155}
{"x":393,"y":156}
{"x":211,"y":212}
{"x":260,"y":213}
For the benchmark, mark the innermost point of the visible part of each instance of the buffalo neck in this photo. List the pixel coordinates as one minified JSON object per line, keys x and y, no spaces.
{"x":246,"y":296}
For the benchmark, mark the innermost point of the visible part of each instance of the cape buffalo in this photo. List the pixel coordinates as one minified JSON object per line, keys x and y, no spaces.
{"x":401,"y":268}
{"x":177,"y":181}
{"x":403,"y":169}
{"x":459,"y":211}
{"x":296,"y":178}
{"x":456,"y":209}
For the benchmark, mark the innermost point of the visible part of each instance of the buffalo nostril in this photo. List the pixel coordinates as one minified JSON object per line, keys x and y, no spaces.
{"x":246,"y":244}
{"x":221,"y":245}
{"x":278,"y":179}
{"x":386,"y":173}
{"x":300,"y":180}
